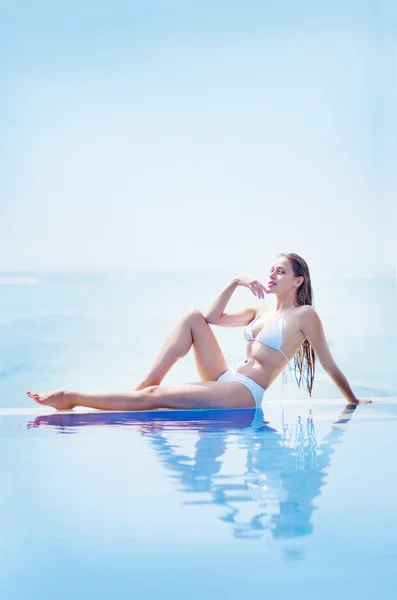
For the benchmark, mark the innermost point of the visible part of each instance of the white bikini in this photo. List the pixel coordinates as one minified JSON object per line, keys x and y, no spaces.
{"x":271,"y":337}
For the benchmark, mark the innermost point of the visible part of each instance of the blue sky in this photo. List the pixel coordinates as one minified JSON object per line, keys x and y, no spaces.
{"x":179,"y":133}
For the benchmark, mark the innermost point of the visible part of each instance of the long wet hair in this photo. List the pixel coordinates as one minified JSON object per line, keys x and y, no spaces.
{"x":305,"y":358}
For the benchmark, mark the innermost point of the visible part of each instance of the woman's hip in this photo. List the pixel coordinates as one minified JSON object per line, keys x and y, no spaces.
{"x":256,"y":390}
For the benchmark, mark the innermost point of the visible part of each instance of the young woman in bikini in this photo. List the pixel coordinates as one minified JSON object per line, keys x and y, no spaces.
{"x":293,"y":330}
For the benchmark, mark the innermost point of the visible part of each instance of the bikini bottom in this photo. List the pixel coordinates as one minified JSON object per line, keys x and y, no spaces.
{"x":256,"y":390}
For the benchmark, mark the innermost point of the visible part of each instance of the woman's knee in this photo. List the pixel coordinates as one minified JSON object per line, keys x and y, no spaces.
{"x":194,"y":315}
{"x":154,"y":397}
{"x":148,"y":398}
{"x":151,"y":389}
{"x":149,"y":393}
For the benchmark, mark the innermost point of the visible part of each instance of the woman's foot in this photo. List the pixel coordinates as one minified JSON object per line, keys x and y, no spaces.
{"x":58,"y":399}
{"x":145,"y":384}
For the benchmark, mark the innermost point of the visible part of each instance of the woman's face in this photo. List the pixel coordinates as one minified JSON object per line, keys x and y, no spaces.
{"x":281,"y":276}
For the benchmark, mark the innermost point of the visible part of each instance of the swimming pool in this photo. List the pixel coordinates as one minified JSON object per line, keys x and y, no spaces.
{"x":301,"y":499}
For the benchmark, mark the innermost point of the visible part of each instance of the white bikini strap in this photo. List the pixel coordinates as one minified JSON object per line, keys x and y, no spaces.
{"x":288,"y":311}
{"x":281,"y":319}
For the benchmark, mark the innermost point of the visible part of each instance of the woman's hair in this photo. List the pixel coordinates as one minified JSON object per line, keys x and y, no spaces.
{"x":305,"y":358}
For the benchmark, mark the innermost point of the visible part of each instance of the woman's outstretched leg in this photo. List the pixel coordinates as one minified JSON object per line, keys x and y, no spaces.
{"x":205,"y":394}
{"x":191,"y":330}
{"x":67,"y":400}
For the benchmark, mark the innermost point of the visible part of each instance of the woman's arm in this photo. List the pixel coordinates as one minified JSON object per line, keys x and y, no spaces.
{"x":313,"y":331}
{"x":215,"y":315}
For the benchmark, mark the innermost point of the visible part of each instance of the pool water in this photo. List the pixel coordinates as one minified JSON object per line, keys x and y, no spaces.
{"x":298,"y":499}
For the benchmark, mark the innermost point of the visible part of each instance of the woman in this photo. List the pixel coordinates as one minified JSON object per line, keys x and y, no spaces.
{"x":294,"y":330}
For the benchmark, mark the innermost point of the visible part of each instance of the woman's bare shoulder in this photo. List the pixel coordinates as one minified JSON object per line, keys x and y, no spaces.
{"x":308,"y":317}
{"x":306,"y":309}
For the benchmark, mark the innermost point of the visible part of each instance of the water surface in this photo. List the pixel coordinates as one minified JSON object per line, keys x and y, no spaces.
{"x":298,"y":500}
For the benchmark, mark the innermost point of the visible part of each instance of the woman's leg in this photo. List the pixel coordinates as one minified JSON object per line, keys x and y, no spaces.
{"x":191,"y":330}
{"x":205,"y":394}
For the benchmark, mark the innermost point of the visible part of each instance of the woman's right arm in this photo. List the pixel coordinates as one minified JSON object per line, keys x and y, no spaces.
{"x":215,"y":315}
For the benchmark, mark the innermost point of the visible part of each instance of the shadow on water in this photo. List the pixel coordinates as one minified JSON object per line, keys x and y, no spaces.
{"x":283,"y":472}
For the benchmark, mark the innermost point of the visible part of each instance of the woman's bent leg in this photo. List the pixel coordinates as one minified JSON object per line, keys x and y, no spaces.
{"x":208,"y":394}
{"x":192,"y":330}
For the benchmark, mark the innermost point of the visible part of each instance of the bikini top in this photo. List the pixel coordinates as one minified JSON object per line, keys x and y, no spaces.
{"x":271,"y":337}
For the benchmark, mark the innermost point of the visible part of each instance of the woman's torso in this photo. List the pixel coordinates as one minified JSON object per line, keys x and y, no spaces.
{"x":264,"y":363}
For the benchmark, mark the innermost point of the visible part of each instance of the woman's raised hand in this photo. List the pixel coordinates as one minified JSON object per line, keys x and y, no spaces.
{"x":257,"y":288}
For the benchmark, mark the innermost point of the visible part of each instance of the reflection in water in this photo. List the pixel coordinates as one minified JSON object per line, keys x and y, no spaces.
{"x":275,"y":490}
